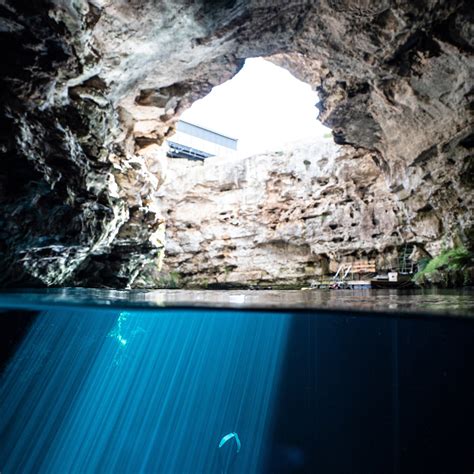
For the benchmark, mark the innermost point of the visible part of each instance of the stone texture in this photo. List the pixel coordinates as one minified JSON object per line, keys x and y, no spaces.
{"x":88,"y":86}
{"x":286,"y":218}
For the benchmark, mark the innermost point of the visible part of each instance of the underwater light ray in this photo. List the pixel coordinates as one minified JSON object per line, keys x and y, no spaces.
{"x":247,"y":400}
{"x":48,"y":367}
{"x":52,"y":428}
{"x":77,"y":442}
{"x":175,"y":390}
{"x":273,"y":346}
{"x":19,"y":378}
{"x":120,"y":381}
{"x":139,"y":405}
{"x":213,"y":387}
{"x":159,"y":403}
{"x":75,"y":436}
{"x":189,"y":414}
{"x":216,"y":390}
{"x":96,"y":405}
{"x":254,"y":348}
{"x":187,"y":373}
{"x":118,"y":374}
{"x":200,"y":378}
{"x":244,"y":369}
{"x":33,"y":389}
{"x":152,"y":389}
{"x":271,"y":382}
{"x":157,"y":398}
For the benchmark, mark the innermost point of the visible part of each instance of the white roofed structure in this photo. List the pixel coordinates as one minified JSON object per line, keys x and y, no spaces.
{"x":198,"y":143}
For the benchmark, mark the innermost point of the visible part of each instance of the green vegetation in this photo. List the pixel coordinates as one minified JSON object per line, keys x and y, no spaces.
{"x":450,"y":268}
{"x":170,"y":281}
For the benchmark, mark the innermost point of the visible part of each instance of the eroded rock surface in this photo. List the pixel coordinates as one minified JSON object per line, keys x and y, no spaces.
{"x":89,"y":86}
{"x":287,"y":218}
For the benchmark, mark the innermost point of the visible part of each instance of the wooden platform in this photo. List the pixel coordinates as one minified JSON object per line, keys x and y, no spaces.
{"x":363,"y":267}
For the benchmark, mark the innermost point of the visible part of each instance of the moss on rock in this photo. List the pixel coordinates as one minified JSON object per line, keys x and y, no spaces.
{"x":451,"y":268}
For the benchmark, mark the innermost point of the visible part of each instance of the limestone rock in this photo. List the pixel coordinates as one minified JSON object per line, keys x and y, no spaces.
{"x":286,"y":218}
{"x":87,"y":85}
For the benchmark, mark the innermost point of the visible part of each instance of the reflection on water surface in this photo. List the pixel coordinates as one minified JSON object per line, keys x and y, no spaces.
{"x":449,"y":302}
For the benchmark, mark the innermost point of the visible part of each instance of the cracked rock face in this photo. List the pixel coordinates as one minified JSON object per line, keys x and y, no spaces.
{"x":90,"y":90}
{"x":281,"y":218}
{"x":287,"y":218}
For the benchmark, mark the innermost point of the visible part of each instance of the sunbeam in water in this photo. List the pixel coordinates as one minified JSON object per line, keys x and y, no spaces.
{"x":142,"y":392}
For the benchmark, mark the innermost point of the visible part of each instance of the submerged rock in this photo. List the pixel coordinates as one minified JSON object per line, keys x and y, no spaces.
{"x":88,"y":86}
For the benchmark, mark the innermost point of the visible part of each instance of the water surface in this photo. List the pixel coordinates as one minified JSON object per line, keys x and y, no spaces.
{"x":434,"y":302}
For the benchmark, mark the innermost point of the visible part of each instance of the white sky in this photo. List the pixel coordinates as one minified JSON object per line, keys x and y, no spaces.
{"x":264,"y":106}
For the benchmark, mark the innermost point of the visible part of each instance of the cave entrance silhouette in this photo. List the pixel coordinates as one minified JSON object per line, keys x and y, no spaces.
{"x":215,"y":205}
{"x":264,"y":106}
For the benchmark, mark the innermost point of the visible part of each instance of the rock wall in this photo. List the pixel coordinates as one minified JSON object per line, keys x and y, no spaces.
{"x":287,"y":218}
{"x":90,"y":89}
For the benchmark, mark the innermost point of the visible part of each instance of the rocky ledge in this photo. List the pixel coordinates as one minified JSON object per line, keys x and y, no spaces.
{"x":90,"y":89}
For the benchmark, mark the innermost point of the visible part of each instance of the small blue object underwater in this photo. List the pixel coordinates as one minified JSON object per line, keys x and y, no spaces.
{"x":229,"y":456}
{"x":228,"y":437}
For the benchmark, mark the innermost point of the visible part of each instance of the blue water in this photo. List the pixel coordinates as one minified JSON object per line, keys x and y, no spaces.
{"x":157,"y":391}
{"x":141,"y":391}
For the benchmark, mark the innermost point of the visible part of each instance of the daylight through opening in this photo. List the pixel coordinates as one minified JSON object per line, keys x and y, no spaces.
{"x":263,"y":108}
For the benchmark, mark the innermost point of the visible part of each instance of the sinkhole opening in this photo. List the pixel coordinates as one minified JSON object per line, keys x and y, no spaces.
{"x":242,"y":168}
{"x":262,"y":108}
{"x":258,"y":195}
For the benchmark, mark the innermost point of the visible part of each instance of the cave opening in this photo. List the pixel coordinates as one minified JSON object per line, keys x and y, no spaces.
{"x":241,"y":215}
{"x":92,"y":91}
{"x":282,"y":201}
{"x":264,"y":106}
